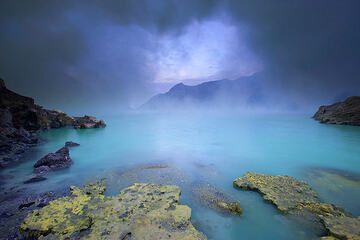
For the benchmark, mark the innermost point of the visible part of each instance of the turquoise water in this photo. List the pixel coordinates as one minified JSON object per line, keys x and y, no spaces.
{"x":211,"y":148}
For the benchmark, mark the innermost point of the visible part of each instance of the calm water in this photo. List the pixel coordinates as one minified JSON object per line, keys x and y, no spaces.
{"x":215,"y":149}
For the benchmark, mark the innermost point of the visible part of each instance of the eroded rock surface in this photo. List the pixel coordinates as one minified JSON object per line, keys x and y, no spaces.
{"x":295,"y":197}
{"x":346,"y":112}
{"x":54,"y":161}
{"x":141,"y":211}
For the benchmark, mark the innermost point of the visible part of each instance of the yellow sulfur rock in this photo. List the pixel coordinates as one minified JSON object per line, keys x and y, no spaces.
{"x":141,"y":211}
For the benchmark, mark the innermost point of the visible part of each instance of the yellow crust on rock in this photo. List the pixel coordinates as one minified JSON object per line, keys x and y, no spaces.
{"x":141,"y":211}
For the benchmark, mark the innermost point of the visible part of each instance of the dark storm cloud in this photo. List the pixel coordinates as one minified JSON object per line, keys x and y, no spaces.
{"x":85,"y":50}
{"x":311,"y":47}
{"x":95,"y":50}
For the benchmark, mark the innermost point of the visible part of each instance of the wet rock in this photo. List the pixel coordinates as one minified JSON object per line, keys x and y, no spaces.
{"x":54,"y":161}
{"x":35,"y":179}
{"x":87,"y":213}
{"x":295,"y":197}
{"x":343,"y":227}
{"x":283,"y":191}
{"x":346,"y":112}
{"x":71,"y":144}
{"x":42,"y":169}
{"x":88,"y":122}
{"x":213,"y":198}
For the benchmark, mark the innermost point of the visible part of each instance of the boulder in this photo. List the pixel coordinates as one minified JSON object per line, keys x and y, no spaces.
{"x":141,"y":211}
{"x":88,"y":122}
{"x":346,"y":112}
{"x":54,"y":161}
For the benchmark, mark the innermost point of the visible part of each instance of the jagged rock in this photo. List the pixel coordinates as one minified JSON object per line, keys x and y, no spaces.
{"x":54,"y":161}
{"x":71,"y":144}
{"x":35,"y":179}
{"x":213,"y":198}
{"x":295,"y":197}
{"x":88,"y":122}
{"x":347,"y":112}
{"x":141,"y":211}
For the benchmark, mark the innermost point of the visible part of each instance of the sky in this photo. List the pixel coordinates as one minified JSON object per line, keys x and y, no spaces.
{"x":81,"y":56}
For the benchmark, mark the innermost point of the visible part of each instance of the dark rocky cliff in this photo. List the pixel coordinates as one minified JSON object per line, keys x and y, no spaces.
{"x":346,"y":112}
{"x":21,"y":118}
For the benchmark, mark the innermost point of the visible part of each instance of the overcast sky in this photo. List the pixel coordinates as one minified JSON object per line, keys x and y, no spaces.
{"x":115,"y":54}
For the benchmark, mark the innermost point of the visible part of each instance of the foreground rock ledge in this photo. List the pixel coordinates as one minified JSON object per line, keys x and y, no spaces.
{"x":141,"y":211}
{"x":346,"y":112}
{"x":295,"y":197}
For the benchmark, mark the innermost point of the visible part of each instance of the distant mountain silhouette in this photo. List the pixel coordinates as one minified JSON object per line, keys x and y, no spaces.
{"x":245,"y":91}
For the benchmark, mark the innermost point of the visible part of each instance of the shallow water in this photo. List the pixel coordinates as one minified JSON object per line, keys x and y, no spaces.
{"x":215,"y":149}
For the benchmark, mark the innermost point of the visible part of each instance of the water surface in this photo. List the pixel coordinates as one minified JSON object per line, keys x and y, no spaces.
{"x":215,"y":149}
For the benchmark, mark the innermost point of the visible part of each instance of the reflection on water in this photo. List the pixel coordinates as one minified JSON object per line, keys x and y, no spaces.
{"x":185,"y":149}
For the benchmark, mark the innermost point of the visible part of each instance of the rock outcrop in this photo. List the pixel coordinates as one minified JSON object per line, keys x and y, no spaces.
{"x":21,"y":118}
{"x":295,"y":197}
{"x":88,"y":122}
{"x":346,"y":112}
{"x":141,"y":211}
{"x":54,"y":161}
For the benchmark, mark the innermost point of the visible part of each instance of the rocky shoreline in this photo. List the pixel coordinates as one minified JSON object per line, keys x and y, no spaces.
{"x":21,"y":119}
{"x":344,"y":113}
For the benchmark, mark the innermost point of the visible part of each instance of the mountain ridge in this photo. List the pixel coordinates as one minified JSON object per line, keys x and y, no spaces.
{"x":223,"y":93}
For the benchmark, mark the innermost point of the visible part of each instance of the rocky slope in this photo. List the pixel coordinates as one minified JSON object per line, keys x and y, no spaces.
{"x":295,"y":197}
{"x":346,"y":112}
{"x":21,"y":118}
{"x":141,"y":211}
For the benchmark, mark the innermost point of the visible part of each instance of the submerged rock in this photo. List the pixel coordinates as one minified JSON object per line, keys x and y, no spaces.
{"x":71,"y":144}
{"x":54,"y":161}
{"x":213,"y":198}
{"x":88,"y":122}
{"x":346,"y":112}
{"x":35,"y":179}
{"x":295,"y":197}
{"x":141,"y":211}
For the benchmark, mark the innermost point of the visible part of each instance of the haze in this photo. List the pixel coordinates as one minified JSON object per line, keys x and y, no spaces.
{"x":109,"y":56}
